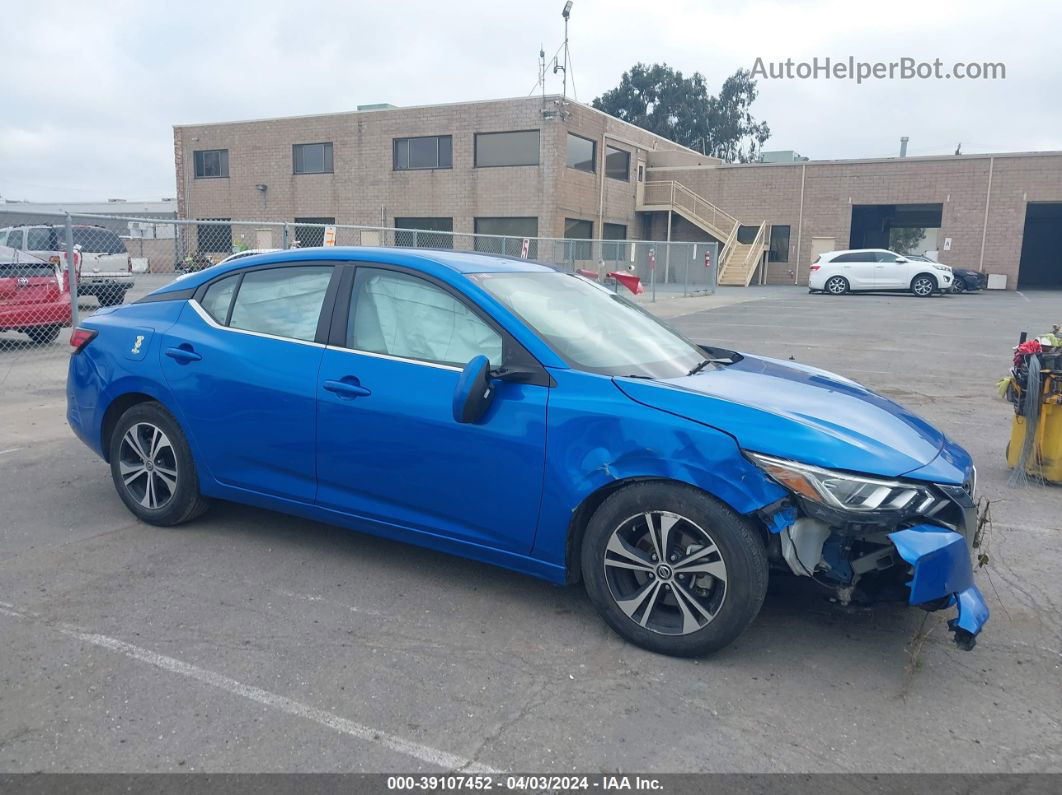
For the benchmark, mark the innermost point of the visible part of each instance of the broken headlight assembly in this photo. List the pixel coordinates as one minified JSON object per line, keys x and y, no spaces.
{"x":847,"y":492}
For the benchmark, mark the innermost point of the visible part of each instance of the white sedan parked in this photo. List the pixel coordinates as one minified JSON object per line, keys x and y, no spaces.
{"x":838,"y":272}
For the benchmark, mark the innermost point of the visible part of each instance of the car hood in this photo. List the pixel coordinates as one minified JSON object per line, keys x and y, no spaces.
{"x":797,"y":412}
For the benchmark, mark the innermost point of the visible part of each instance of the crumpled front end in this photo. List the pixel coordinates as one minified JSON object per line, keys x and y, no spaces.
{"x":941,"y":570}
{"x":874,"y":540}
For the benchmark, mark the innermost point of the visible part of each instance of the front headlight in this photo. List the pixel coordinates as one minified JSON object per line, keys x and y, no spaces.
{"x":940,"y":267}
{"x":846,"y":491}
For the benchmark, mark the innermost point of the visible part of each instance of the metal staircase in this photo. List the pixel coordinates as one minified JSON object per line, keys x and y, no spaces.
{"x":737,"y":261}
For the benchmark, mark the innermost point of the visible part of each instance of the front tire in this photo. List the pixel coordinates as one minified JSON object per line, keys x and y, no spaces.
{"x":923,"y":285}
{"x":672,"y":570}
{"x":837,"y":285}
{"x":152,"y":467}
{"x":958,"y":286}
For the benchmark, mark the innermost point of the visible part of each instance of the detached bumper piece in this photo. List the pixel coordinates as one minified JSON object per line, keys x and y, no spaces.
{"x":943,"y":577}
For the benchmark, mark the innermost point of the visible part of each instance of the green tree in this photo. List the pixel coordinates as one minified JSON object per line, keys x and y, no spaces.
{"x":661,"y":100}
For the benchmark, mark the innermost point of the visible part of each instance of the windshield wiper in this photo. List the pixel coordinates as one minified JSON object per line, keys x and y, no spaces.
{"x":701,"y":366}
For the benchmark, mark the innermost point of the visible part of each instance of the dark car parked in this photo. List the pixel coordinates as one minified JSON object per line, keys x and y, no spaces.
{"x":966,"y":280}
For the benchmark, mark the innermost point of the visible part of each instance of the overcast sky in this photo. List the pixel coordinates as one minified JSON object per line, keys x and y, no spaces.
{"x":91,"y":89}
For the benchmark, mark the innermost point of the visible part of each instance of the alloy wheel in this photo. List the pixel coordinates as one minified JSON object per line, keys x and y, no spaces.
{"x":923,"y":286}
{"x":836,"y":285}
{"x":665,"y":573}
{"x":148,"y":465}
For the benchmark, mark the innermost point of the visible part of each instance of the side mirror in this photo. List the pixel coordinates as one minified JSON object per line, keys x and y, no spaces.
{"x":474,"y":391}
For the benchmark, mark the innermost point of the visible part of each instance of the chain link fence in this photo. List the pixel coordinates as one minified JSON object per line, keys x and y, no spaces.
{"x":65,"y":267}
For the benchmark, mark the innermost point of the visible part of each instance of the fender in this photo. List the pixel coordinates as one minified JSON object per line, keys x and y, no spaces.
{"x":631,"y":441}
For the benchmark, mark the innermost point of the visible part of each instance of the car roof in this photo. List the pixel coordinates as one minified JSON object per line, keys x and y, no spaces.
{"x":429,"y":261}
{"x":857,"y":251}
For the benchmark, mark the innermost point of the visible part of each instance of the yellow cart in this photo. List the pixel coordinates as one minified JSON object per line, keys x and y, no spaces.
{"x":1046,"y":459}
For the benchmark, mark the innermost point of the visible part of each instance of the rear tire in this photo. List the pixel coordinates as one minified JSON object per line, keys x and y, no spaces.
{"x":152,"y":467}
{"x":836,"y":285}
{"x":700,"y":592}
{"x":43,"y":335}
{"x":923,"y":285}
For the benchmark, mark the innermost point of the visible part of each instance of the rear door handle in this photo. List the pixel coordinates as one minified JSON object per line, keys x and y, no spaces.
{"x":183,"y":354}
{"x":346,"y":389}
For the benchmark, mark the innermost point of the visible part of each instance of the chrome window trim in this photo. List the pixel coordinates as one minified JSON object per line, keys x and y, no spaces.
{"x":375,"y":355}
{"x":214,"y":324}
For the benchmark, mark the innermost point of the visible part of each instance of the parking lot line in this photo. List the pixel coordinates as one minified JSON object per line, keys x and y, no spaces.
{"x":424,"y":753}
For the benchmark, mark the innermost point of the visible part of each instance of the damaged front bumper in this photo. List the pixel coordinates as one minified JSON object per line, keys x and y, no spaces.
{"x":943,"y":577}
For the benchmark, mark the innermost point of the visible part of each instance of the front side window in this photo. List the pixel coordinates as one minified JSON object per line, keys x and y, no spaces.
{"x":281,"y":302}
{"x":41,"y":238}
{"x":408,"y":317}
{"x":582,"y":153}
{"x":210,"y":163}
{"x":312,"y":158}
{"x":592,"y":328}
{"x":507,"y":149}
{"x":617,"y":163}
{"x":431,"y":151}
{"x":14,"y":238}
{"x":885,"y":256}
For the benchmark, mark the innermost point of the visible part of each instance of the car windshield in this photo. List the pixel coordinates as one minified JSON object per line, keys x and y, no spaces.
{"x":592,"y":328}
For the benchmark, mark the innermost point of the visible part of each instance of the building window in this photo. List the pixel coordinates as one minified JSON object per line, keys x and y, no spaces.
{"x":309,"y":232}
{"x":747,"y":234}
{"x":582,"y":153}
{"x":424,"y":232}
{"x":211,"y":163}
{"x":617,"y":163}
{"x":507,"y":149}
{"x":432,"y":151}
{"x":779,"y":248}
{"x":513,"y":230}
{"x":578,"y":229}
{"x":214,"y":238}
{"x":614,"y":252}
{"x":312,"y":158}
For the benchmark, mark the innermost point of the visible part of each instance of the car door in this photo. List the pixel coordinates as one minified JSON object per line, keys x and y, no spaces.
{"x":242,"y":364}
{"x":388,"y":446}
{"x":892,"y":274}
{"x":859,"y":268}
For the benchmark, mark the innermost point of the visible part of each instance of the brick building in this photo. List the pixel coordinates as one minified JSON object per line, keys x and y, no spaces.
{"x":547,"y":167}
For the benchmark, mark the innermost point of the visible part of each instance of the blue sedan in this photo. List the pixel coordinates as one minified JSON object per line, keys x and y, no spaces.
{"x":500,"y":410}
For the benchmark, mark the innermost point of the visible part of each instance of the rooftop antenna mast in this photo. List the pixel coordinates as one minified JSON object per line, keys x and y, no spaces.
{"x":566,"y":13}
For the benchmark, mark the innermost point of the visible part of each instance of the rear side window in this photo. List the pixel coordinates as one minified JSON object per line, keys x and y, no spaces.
{"x":96,"y":240}
{"x":218,"y":297}
{"x":282,"y":302}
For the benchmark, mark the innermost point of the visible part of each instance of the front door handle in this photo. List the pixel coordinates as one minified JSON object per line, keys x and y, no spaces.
{"x":183,"y":354}
{"x":346,"y":389}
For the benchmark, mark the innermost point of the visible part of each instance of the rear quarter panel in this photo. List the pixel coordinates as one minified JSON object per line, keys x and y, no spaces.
{"x":123,"y":359}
